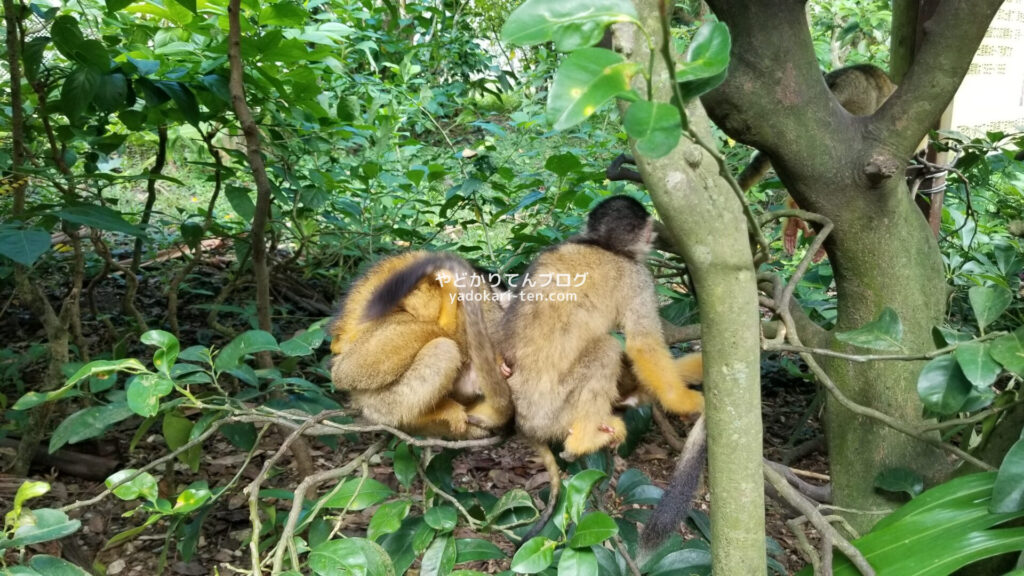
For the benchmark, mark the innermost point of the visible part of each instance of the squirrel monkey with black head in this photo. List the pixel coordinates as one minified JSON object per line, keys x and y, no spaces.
{"x":413,"y":345}
{"x":558,"y":339}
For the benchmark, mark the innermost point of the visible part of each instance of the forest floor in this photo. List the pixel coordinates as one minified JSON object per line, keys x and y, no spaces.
{"x":224,"y":542}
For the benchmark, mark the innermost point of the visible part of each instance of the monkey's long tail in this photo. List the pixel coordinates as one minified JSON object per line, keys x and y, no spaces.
{"x":754,"y":171}
{"x":555,"y":487}
{"x":678,"y":499}
{"x":482,"y":353}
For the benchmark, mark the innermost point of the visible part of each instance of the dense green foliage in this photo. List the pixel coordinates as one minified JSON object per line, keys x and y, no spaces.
{"x":390,"y":126}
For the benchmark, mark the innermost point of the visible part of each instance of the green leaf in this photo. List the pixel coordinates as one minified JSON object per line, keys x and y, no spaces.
{"x":249,"y":342}
{"x":69,"y":41}
{"x":88,"y":423}
{"x":942,"y":386}
{"x":655,"y":126}
{"x":26,"y":491}
{"x":1008,"y":491}
{"x":514,"y":499}
{"x":585,"y":80}
{"x":32,"y":56}
{"x":43,"y":525}
{"x":476,"y":550}
{"x":52,"y":566}
{"x":1009,"y":351}
{"x":189,"y":5}
{"x":145,"y":392}
{"x":534,"y":556}
{"x":167,"y":354}
{"x":78,"y":91}
{"x":938,"y":532}
{"x":111,"y":92}
{"x":988,"y":302}
{"x":439,"y":559}
{"x":691,"y":561}
{"x":694,"y":88}
{"x":578,"y":490}
{"x":100,"y":217}
{"x":708,"y":53}
{"x":883,"y":333}
{"x":142,"y":486}
{"x":241,"y":202}
{"x":303,"y":344}
{"x":900,"y":480}
{"x":24,"y":246}
{"x":177,"y":431}
{"x":572,"y":24}
{"x":635,"y":488}
{"x":977,"y":364}
{"x":197,"y":494}
{"x":115,"y":5}
{"x":387,"y":519}
{"x":355,"y":556}
{"x":563,"y":164}
{"x":442,"y":518}
{"x":576,"y":562}
{"x":593,"y":529}
{"x":359,"y":494}
{"x":404,"y":464}
{"x":287,"y":14}
{"x":184,"y":99}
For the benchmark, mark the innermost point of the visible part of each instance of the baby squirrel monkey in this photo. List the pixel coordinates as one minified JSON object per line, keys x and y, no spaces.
{"x":564,"y":360}
{"x":413,"y":344}
{"x":860,"y":89}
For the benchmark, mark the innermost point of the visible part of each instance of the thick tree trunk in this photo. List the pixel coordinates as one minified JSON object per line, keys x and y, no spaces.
{"x":706,"y":222}
{"x":848,"y":169}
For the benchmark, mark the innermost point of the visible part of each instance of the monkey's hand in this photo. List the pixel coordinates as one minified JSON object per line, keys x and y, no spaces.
{"x":790,"y":231}
{"x":682,"y":400}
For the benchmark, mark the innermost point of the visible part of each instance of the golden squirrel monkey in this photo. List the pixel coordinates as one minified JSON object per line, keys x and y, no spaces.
{"x":860,"y":89}
{"x":413,"y":345}
{"x":558,"y":340}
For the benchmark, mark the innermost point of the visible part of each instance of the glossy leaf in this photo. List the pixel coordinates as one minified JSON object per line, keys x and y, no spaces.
{"x":516,"y":498}
{"x":900,"y":480}
{"x":593,"y":529}
{"x":249,"y":342}
{"x":708,"y":53}
{"x":572,"y":24}
{"x":1008,"y":492}
{"x":24,"y":246}
{"x":88,"y":423}
{"x":111,"y":92}
{"x":177,"y":430}
{"x":44,"y":525}
{"x":78,"y":90}
{"x":145,"y":392}
{"x":578,"y":490}
{"x":388,"y":518}
{"x":404,"y":464}
{"x":1009,"y":351}
{"x":303,"y":344}
{"x":943,"y":388}
{"x":439,"y":559}
{"x":167,"y":354}
{"x":100,"y":217}
{"x":142,"y":486}
{"x":53,"y":566}
{"x":988,"y":303}
{"x":938,"y":532}
{"x":882,"y":333}
{"x":355,"y":556}
{"x":441,"y":518}
{"x":190,"y":499}
{"x":690,"y":561}
{"x":586,"y":80}
{"x":655,"y":126}
{"x":977,"y":364}
{"x":576,"y":562}
{"x":536,"y":555}
{"x":476,"y":550}
{"x":358,"y":494}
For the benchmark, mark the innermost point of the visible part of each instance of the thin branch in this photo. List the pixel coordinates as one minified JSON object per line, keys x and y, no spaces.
{"x":877,"y":357}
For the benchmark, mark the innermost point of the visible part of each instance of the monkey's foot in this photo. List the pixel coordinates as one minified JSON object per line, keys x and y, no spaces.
{"x":588,"y":437}
{"x":485,"y":416}
{"x":682,"y":401}
{"x":453,"y":416}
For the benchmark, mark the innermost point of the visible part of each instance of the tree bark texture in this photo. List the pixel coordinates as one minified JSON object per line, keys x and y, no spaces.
{"x":706,"y":222}
{"x":850,"y":170}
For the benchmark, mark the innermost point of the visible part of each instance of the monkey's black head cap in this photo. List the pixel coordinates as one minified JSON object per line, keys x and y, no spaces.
{"x":617,"y":223}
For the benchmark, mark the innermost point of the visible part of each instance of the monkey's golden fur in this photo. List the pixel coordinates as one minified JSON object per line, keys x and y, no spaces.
{"x":566,"y":364}
{"x":413,"y":355}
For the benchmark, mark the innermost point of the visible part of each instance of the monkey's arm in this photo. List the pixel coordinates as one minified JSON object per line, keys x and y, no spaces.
{"x":653,"y":364}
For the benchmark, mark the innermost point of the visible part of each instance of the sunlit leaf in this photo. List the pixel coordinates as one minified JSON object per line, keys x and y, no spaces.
{"x":571,"y":24}
{"x":584,"y":81}
{"x":977,"y":364}
{"x":655,"y":126}
{"x":882,"y":333}
{"x":592,"y":529}
{"x":534,"y":556}
{"x":355,"y":556}
{"x":988,"y":303}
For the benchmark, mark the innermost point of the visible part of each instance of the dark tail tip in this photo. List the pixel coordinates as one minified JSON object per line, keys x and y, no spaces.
{"x":401,"y":283}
